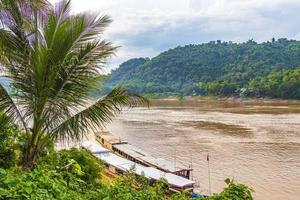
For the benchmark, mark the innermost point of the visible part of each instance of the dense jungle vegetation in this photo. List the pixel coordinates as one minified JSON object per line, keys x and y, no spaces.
{"x":268,"y":69}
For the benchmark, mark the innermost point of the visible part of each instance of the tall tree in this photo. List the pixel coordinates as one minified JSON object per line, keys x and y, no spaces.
{"x":53,"y":60}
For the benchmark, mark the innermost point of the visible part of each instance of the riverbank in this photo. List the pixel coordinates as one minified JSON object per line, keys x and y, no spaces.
{"x":231,"y":105}
{"x":228,"y":99}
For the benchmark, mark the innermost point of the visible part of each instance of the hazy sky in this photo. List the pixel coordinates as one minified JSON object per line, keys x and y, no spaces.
{"x":144,"y":28}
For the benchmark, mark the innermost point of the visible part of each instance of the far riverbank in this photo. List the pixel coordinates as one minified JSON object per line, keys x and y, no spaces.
{"x":231,"y":104}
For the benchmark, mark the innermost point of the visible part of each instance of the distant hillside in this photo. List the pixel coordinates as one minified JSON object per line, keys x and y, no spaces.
{"x":126,"y":70}
{"x":216,"y":68}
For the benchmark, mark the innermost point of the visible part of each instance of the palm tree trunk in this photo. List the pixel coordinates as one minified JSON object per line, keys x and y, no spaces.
{"x":29,"y":157}
{"x":33,"y":148}
{"x":33,"y":153}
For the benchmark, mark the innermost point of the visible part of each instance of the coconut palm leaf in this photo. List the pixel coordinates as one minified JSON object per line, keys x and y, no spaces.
{"x":96,"y":115}
{"x":10,"y":108}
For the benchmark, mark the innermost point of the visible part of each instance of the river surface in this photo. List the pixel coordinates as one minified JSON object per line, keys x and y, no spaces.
{"x":254,"y":142}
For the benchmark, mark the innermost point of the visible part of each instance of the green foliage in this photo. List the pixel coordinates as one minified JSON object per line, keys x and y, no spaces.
{"x":62,"y":175}
{"x":71,"y":175}
{"x":38,"y":184}
{"x":284,"y":84}
{"x":129,"y":67}
{"x":162,"y":95}
{"x":73,"y":162}
{"x":11,"y":143}
{"x":180,"y":196}
{"x":214,"y":68}
{"x":124,"y":188}
{"x":233,"y":191}
{"x":223,"y":88}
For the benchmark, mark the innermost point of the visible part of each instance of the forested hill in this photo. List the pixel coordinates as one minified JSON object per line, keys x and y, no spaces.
{"x":269,"y":69}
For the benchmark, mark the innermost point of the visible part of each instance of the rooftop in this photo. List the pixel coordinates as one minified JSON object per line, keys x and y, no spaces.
{"x":127,"y":165}
{"x":149,"y":172}
{"x":107,"y":136}
{"x":94,"y":147}
{"x":146,"y":158}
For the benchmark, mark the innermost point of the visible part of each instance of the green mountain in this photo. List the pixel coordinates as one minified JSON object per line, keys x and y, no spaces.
{"x":217,"y":68}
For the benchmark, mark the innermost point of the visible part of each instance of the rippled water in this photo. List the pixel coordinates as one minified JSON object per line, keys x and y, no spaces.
{"x":256,"y":143}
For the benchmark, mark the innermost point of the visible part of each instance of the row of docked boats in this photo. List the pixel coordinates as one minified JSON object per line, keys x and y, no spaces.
{"x":121,"y":157}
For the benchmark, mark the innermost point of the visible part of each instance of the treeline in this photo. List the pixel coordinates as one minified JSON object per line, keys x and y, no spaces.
{"x":278,"y":85}
{"x":281,"y":84}
{"x":269,"y":69}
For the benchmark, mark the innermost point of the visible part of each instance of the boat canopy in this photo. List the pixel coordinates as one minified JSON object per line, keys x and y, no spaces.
{"x":144,"y":157}
{"x":94,"y":147}
{"x":127,"y":166}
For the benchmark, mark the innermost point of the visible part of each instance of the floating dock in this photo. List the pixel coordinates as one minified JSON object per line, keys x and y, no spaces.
{"x":118,"y":164}
{"x":137,"y":155}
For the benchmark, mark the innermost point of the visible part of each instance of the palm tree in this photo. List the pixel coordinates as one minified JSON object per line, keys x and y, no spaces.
{"x":53,"y":60}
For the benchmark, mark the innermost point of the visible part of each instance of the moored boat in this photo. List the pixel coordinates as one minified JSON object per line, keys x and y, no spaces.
{"x":120,"y":165}
{"x":137,"y":155}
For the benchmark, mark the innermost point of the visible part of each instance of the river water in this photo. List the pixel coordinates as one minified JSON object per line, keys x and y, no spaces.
{"x":254,"y":142}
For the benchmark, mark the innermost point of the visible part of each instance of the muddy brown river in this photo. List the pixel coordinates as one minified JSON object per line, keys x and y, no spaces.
{"x":253,"y":142}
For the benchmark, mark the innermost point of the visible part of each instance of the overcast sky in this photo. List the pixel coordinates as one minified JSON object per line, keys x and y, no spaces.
{"x":144,"y":28}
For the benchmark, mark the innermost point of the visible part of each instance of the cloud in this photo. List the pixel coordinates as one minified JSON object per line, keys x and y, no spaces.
{"x":146,"y":27}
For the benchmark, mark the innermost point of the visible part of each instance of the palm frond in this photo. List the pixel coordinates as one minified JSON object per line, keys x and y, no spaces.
{"x":10,"y":109}
{"x":96,"y":115}
{"x":95,"y":26}
{"x":12,"y":49}
{"x":74,"y":66}
{"x":4,"y":122}
{"x":79,"y":75}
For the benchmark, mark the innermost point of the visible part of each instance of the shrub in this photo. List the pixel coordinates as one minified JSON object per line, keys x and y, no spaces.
{"x":11,"y":143}
{"x":74,"y":162}
{"x":64,"y":175}
{"x":233,"y":191}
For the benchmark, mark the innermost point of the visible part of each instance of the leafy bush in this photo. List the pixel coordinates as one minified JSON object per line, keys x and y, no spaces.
{"x":67,"y":174}
{"x":233,"y":191}
{"x":11,"y":143}
{"x":125,"y":188}
{"x":37,"y":184}
{"x":73,"y":162}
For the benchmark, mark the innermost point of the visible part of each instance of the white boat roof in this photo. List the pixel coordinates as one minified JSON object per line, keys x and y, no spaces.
{"x":146,"y":158}
{"x":149,"y":172}
{"x":127,"y":165}
{"x":153,"y":173}
{"x":114,"y":160}
{"x":94,"y":147}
